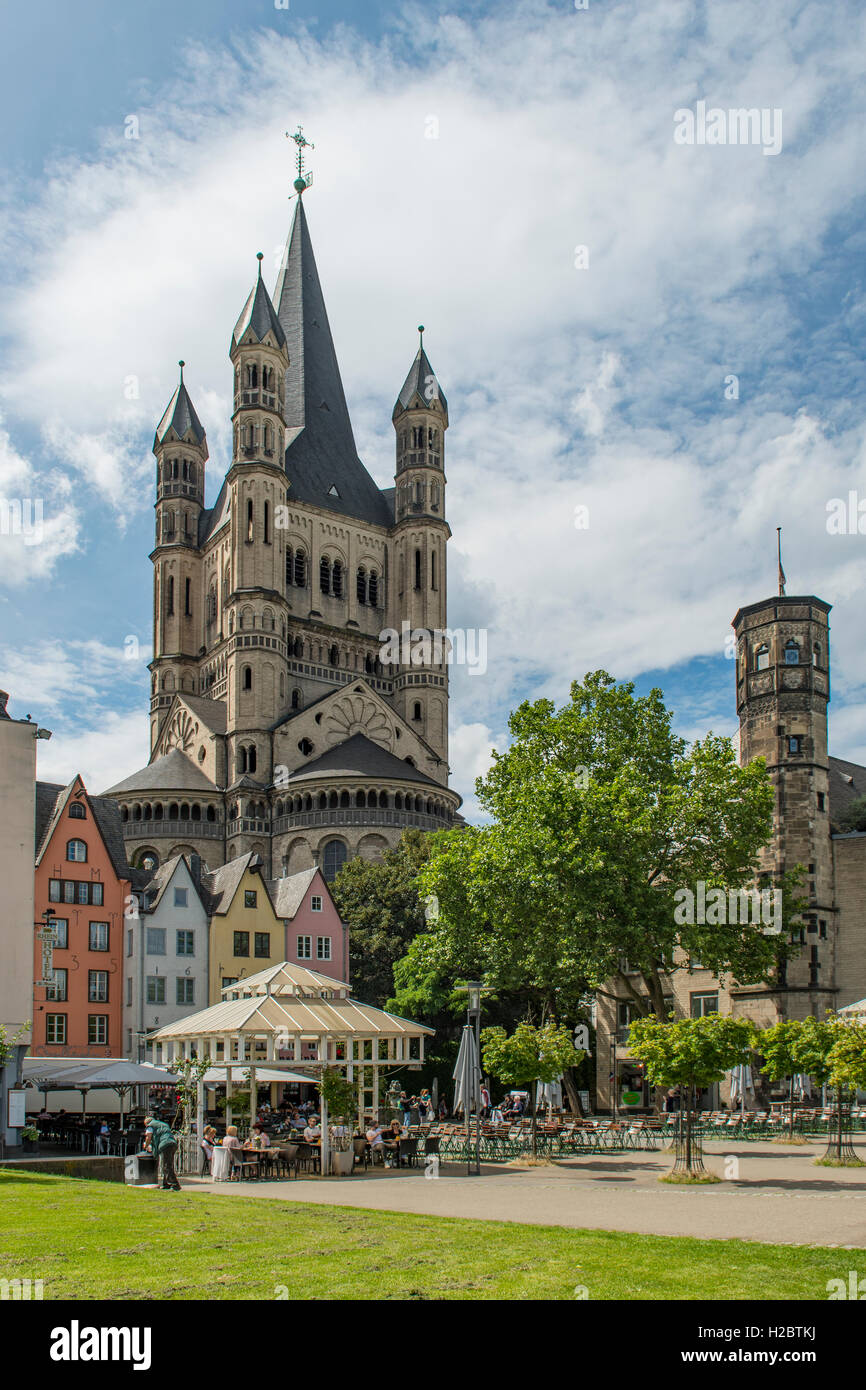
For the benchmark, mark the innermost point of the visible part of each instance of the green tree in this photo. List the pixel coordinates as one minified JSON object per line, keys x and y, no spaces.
{"x":531,"y":1054}
{"x":795,"y":1045}
{"x":189,"y":1071}
{"x":690,"y":1053}
{"x":854,"y":815}
{"x":846,"y":1062}
{"x":381,"y":904}
{"x":601,"y":819}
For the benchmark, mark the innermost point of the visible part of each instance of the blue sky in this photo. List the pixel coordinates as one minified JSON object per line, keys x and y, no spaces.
{"x":463,"y":155}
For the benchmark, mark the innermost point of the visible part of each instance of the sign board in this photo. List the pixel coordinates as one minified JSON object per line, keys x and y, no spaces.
{"x":584,"y":1100}
{"x":16,"y":1109}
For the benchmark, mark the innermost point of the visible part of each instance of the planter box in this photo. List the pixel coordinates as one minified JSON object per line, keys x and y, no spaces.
{"x":342,"y":1162}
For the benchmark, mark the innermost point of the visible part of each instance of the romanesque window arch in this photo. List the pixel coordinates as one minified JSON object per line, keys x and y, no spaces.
{"x":334,"y":857}
{"x":373,"y":589}
{"x":337,"y":579}
{"x":325,"y":575}
{"x":361,"y":585}
{"x":300,"y":569}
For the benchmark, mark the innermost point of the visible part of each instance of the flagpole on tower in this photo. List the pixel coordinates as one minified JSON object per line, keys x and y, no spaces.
{"x":782,"y":580}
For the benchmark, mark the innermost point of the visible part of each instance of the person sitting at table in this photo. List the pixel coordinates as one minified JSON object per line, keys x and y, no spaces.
{"x":258,"y":1139}
{"x":375,"y":1140}
{"x":312,"y":1132}
{"x":233,"y":1144}
{"x":391,"y":1141}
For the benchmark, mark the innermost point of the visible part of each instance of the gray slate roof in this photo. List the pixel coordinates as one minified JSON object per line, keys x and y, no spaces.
{"x":51,"y":800}
{"x":258,"y":316}
{"x":180,"y":416}
{"x":846,"y":783}
{"x":218,"y":887}
{"x":321,"y":450}
{"x":172,"y":772}
{"x":360,"y":757}
{"x":288,"y":893}
{"x":417,"y":384}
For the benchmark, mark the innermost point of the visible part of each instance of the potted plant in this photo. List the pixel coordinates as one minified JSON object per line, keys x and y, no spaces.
{"x":30,"y":1139}
{"x":338,"y":1095}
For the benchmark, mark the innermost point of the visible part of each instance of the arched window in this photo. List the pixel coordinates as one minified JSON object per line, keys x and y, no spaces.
{"x":325,"y":575}
{"x":169,"y":608}
{"x":248,"y":678}
{"x":360,"y":799}
{"x":266,"y":521}
{"x":77,"y":811}
{"x":211,"y":813}
{"x":433,"y":583}
{"x":334,"y":656}
{"x":374,"y":589}
{"x":398,"y":801}
{"x":792,"y":653}
{"x":337,"y":580}
{"x":300,"y":569}
{"x":417,"y":569}
{"x":344,"y":799}
{"x":252,"y":758}
{"x":416,"y":710}
{"x":361,"y":585}
{"x":76,"y":852}
{"x":368,"y":665}
{"x":299,"y":647}
{"x":762,"y":657}
{"x":290,"y":573}
{"x":333,"y":859}
{"x":296,"y":699}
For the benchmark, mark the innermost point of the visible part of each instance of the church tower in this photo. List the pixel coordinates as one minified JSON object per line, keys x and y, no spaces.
{"x":180,"y":447}
{"x":256,"y":604}
{"x":783,"y":689}
{"x":420,"y":419}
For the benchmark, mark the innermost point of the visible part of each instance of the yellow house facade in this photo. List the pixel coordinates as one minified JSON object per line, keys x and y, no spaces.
{"x":246,"y":935}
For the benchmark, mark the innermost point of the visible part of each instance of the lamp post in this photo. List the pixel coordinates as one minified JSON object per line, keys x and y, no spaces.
{"x":473,"y":1014}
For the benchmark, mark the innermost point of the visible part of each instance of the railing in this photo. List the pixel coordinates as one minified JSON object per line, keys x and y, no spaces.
{"x":145,"y":829}
{"x":359,"y":816}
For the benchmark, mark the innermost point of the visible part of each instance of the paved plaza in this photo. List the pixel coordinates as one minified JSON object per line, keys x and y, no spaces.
{"x":770,"y":1193}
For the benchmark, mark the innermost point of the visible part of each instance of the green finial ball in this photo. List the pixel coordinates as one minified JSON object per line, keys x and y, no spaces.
{"x":420,"y":328}
{"x":300,"y":185}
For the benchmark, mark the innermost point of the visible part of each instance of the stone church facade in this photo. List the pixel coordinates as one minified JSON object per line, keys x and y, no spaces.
{"x":279,"y":722}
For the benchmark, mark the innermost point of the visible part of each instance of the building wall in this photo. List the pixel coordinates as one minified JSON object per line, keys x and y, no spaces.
{"x":141,"y":965}
{"x":223,"y":963}
{"x":77,"y":958}
{"x":17,"y":815}
{"x":849,"y":853}
{"x":324,"y":924}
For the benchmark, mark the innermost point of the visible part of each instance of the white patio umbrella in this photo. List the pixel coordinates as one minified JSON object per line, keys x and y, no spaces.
{"x":467,"y":1074}
{"x":802,"y":1086}
{"x":549,"y":1094}
{"x":742,"y":1085}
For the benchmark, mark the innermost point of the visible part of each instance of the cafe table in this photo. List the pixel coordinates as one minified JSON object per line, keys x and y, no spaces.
{"x":220,"y":1164}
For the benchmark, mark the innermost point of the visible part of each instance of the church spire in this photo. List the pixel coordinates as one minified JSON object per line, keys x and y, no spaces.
{"x":258,"y":316}
{"x":179,"y":415}
{"x":421,"y":390}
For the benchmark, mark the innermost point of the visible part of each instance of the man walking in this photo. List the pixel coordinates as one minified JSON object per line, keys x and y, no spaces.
{"x":159,"y":1139}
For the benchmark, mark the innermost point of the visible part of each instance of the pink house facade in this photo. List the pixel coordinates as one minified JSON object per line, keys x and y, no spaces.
{"x":315,"y":935}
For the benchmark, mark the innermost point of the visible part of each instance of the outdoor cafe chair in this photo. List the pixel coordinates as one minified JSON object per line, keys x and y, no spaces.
{"x":407,"y":1149}
{"x":285,"y":1159}
{"x":306,"y":1156}
{"x":360,"y":1149}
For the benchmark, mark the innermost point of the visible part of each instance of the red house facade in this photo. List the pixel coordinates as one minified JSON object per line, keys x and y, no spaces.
{"x":82,"y":881}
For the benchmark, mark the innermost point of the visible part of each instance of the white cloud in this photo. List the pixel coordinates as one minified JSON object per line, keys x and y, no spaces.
{"x":38,"y":524}
{"x":103,"y":754}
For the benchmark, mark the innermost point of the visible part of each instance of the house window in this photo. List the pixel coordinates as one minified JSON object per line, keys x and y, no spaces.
{"x":57,"y":992}
{"x":77,"y":811}
{"x":97,"y":986}
{"x":241,"y":943}
{"x":250,"y":897}
{"x":792,"y":654}
{"x":228,"y":981}
{"x":703,"y":1004}
{"x":795,"y":744}
{"x":55,"y":1028}
{"x":155,"y":944}
{"x":185,"y":990}
{"x":156,"y":989}
{"x":180,"y":897}
{"x":129,"y":992}
{"x":61,"y":933}
{"x":762,"y":658}
{"x":323,"y":948}
{"x":262,"y":944}
{"x":97,"y":1029}
{"x":186,"y":943}
{"x":69,"y":890}
{"x":99,"y":936}
{"x":305,"y":945}
{"x":76,"y":852}
{"x":315,"y":903}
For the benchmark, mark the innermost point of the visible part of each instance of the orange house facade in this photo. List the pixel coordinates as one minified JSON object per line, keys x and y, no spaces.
{"x":82,"y":881}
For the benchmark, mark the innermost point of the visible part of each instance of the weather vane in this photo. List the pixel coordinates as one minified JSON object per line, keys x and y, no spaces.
{"x":303,"y":180}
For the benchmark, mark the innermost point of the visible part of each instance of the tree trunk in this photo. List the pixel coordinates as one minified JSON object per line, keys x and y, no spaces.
{"x":571,"y":1091}
{"x":532,"y":1113}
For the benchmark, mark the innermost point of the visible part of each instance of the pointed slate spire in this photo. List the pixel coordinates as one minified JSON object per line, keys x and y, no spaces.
{"x":421,"y":385}
{"x":321,"y":453}
{"x":258,"y":315}
{"x":179,"y":416}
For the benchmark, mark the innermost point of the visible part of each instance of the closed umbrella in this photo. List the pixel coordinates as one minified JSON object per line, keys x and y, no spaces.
{"x":467,"y":1089}
{"x":741,"y":1085}
{"x":802,"y":1086}
{"x":549,"y":1094}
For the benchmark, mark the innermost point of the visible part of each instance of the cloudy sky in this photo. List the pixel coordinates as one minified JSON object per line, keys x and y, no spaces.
{"x":652,"y":351}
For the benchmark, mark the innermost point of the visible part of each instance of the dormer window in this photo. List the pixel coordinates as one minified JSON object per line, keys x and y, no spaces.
{"x":77,"y":811}
{"x":332,"y":490}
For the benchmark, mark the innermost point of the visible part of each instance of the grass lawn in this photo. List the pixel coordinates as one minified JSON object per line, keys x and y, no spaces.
{"x":95,"y":1240}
